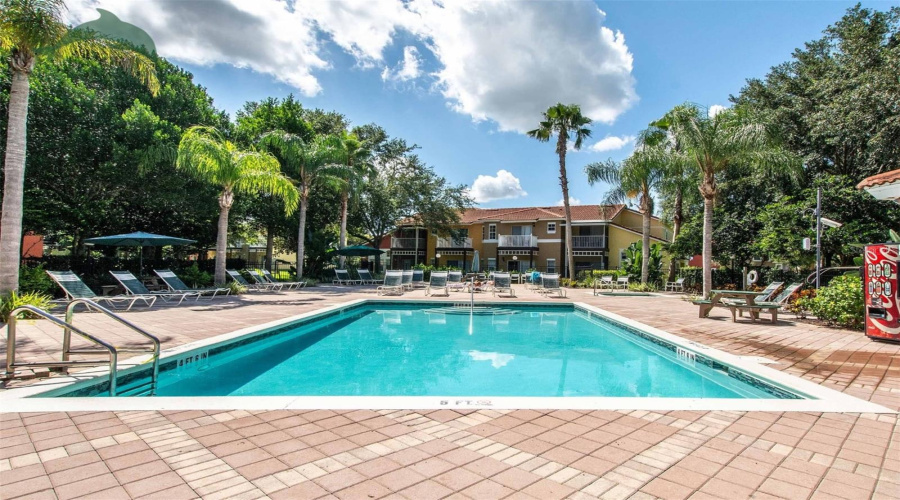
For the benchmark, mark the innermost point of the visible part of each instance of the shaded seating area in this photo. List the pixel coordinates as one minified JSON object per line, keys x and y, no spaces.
{"x":74,"y":288}
{"x":437,"y":284}
{"x":133,"y":286}
{"x":393,"y":284}
{"x":176,"y":285}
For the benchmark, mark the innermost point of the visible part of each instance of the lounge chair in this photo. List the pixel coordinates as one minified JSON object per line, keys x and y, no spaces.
{"x":292,"y":285}
{"x":259,"y":280}
{"x":393,"y":283}
{"x":133,"y":286}
{"x":342,"y":277}
{"x":407,"y":277}
{"x":503,"y":284}
{"x":176,"y":285}
{"x":418,"y":278}
{"x":241,"y":280}
{"x":533,"y":281}
{"x":366,"y":278}
{"x":437,"y":283}
{"x":675,"y":286}
{"x":550,"y":285}
{"x":605,"y":282}
{"x":622,"y":283}
{"x":455,"y":281}
{"x":76,"y":289}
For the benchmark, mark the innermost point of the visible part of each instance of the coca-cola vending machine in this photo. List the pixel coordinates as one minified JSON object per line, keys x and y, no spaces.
{"x":881,"y":291}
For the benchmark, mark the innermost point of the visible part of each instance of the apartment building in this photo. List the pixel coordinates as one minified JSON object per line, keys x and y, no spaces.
{"x":526,"y":238}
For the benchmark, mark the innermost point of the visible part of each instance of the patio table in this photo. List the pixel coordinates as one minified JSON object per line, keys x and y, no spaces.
{"x":716,"y":300}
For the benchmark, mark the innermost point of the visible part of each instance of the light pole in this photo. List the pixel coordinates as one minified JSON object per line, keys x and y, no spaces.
{"x":820,"y":221}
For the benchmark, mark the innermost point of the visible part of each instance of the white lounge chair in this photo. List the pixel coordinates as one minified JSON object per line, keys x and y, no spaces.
{"x":295,"y":285}
{"x":366,"y":278}
{"x":76,"y":289}
{"x":241,"y":280}
{"x":622,"y":283}
{"x":393,"y":283}
{"x":550,"y":285}
{"x":455,"y":281}
{"x":437,"y":284}
{"x":175,"y":284}
{"x":418,"y":278}
{"x":605,"y":282}
{"x":133,"y":286}
{"x":503,"y":284}
{"x":407,"y":277}
{"x":261,"y":281}
{"x":675,"y":286}
{"x":342,"y":277}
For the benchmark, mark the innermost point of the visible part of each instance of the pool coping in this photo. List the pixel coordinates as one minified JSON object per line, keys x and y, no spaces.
{"x":824,"y":399}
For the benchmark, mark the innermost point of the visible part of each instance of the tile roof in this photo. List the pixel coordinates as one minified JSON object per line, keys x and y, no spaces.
{"x":579,"y":213}
{"x":882,"y":178}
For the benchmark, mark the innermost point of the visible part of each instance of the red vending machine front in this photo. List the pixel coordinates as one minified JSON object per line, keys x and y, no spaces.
{"x":881,"y":291}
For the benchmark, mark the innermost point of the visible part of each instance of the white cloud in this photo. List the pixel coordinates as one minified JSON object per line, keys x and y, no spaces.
{"x":503,"y":61}
{"x":572,"y":201}
{"x":408,"y":68}
{"x":612,"y":143}
{"x":503,"y":186}
{"x":715,"y":109}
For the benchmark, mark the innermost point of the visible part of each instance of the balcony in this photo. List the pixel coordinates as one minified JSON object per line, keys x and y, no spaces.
{"x":454,"y":243}
{"x":517,"y":241}
{"x":409,"y":243}
{"x":588,"y":242}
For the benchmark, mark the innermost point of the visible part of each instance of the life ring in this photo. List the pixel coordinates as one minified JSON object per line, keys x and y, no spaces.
{"x":752,"y":277}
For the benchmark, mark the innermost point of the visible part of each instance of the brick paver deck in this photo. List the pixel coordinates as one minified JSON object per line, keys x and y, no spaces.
{"x":470,"y":454}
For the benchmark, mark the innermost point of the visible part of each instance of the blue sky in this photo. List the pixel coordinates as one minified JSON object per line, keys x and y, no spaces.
{"x":351,"y":61}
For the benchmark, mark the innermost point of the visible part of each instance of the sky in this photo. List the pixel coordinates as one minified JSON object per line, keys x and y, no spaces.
{"x":465,"y":80}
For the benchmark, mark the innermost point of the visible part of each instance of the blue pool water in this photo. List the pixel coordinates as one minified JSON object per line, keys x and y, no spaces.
{"x":414,"y":350}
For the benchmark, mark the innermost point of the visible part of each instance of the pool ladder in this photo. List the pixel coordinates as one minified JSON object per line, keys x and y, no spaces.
{"x":68,"y":328}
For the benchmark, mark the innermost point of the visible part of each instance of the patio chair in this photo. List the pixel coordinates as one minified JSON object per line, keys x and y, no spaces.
{"x":437,"y":284}
{"x":76,"y":289}
{"x":622,"y":283}
{"x":241,"y":280}
{"x":503,"y":284}
{"x":259,"y":280}
{"x":675,"y":286}
{"x":134,"y":286}
{"x":605,"y":282}
{"x":407,"y":279}
{"x":533,"y":282}
{"x":342,"y":277}
{"x":292,"y":285}
{"x":455,"y":281}
{"x":550,"y":285}
{"x":768,"y":306}
{"x":418,"y":278}
{"x":366,"y":278}
{"x":175,"y":284}
{"x":393,"y":283}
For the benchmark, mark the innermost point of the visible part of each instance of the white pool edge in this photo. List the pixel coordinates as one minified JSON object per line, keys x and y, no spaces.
{"x":20,"y":400}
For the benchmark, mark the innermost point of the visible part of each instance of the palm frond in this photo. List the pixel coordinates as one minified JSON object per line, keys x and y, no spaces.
{"x":203,"y":153}
{"x":31,"y":25}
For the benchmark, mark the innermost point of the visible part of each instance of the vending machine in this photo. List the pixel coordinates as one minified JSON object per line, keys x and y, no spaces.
{"x":881,"y":291}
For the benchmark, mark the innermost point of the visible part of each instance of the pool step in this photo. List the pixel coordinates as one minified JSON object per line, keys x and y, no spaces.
{"x":142,"y":389}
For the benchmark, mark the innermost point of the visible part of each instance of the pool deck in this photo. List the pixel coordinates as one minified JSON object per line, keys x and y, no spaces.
{"x":469,"y":453}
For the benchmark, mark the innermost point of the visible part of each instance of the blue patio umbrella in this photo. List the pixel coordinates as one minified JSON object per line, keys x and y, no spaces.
{"x":138,"y":239}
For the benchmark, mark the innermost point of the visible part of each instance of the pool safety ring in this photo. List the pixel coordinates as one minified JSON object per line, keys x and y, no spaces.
{"x":752,"y":276}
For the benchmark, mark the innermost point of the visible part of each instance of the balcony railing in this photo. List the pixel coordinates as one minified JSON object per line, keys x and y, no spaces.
{"x":518,"y":241}
{"x":409,"y":243}
{"x":454,"y":243}
{"x":579,"y":242}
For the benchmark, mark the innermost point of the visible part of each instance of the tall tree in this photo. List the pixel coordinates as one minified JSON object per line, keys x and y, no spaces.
{"x":564,"y":120}
{"x":310,"y":164}
{"x":31,"y":30}
{"x":715,"y":143}
{"x":206,"y":154}
{"x":355,"y":164}
{"x":637,"y":177}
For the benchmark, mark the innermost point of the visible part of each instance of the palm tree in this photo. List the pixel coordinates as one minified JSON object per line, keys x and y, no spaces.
{"x":31,"y":30}
{"x":355,"y":166}
{"x":715,"y":143}
{"x":564,"y":120}
{"x":211,"y":158}
{"x":309,"y":163}
{"x":638,"y":176}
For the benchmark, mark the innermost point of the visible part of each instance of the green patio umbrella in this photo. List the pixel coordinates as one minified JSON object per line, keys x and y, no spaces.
{"x":359,"y":251}
{"x":138,"y":239}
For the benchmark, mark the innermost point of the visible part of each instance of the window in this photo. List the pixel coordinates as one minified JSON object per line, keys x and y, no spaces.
{"x":491,"y":264}
{"x":453,"y":263}
{"x":551,"y":265}
{"x":521,"y":230}
{"x":551,"y":228}
{"x":492,"y":231}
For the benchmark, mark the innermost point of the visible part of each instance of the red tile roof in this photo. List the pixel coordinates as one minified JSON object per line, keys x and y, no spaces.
{"x":882,"y":178}
{"x":579,"y":213}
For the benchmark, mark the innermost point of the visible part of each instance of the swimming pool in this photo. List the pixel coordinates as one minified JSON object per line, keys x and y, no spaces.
{"x":401,"y":354}
{"x":397,"y":349}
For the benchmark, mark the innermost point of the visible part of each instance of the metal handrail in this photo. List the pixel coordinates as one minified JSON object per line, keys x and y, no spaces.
{"x":68,"y":328}
{"x":825,"y":270}
{"x":70,"y":313}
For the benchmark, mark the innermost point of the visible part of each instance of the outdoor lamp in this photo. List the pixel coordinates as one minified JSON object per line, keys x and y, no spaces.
{"x":437,"y":256}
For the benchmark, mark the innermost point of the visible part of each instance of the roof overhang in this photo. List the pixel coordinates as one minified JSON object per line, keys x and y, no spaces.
{"x":884,"y":186}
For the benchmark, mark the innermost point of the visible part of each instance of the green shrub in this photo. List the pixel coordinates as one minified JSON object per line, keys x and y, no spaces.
{"x":35,"y":279}
{"x":840,"y":303}
{"x":195,"y":278}
{"x":15,"y":300}
{"x":641,"y":287}
{"x":236,"y":288}
{"x":634,"y":257}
